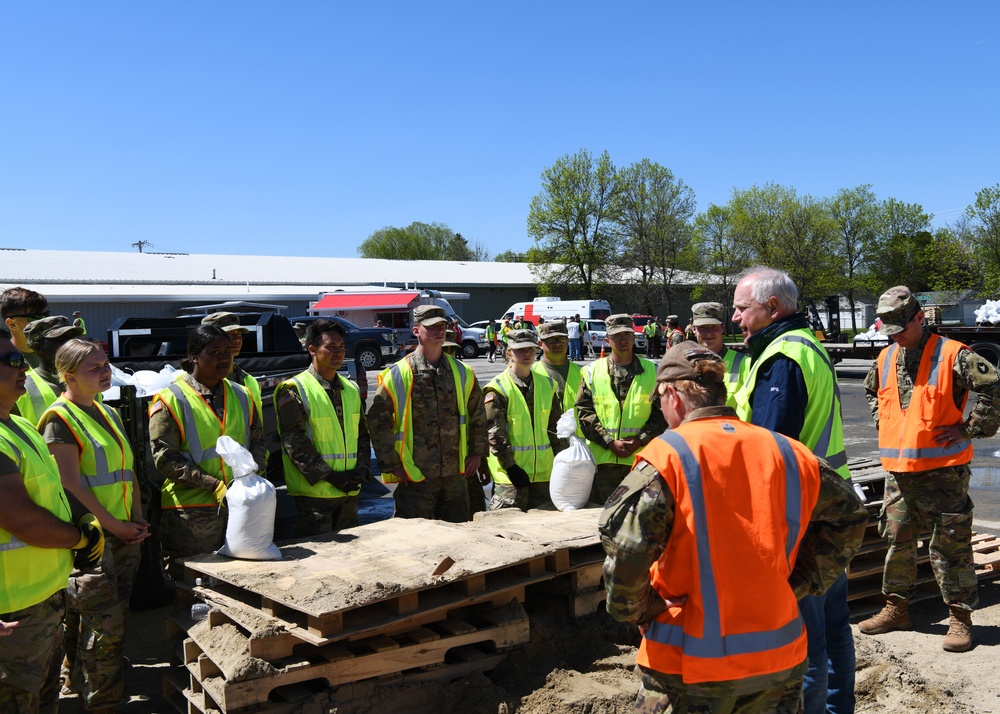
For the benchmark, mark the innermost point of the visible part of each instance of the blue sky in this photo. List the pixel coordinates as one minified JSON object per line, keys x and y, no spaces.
{"x":299,"y":128}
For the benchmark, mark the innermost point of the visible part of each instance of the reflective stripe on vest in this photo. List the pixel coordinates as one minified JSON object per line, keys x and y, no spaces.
{"x":906,"y":437}
{"x":608,"y":409}
{"x":253,"y":386}
{"x":827,"y":441}
{"x":29,"y":574}
{"x":336,"y":444}
{"x":191,"y":410}
{"x":740,"y":618}
{"x":37,"y":398}
{"x":110,"y":479}
{"x":398,"y":382}
{"x":527,"y":433}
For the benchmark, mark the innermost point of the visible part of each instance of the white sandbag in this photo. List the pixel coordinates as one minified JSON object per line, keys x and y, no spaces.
{"x":573,"y":469}
{"x":146,"y":381}
{"x":252,"y":501}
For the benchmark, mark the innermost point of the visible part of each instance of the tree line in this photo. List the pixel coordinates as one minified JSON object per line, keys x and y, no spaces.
{"x":632,"y":235}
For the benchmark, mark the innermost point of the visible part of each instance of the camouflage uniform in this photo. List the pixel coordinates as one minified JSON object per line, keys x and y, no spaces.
{"x":505,"y":495}
{"x":444,"y":493}
{"x":937,"y":498}
{"x":29,"y":658}
{"x":608,"y":476}
{"x":635,"y":530}
{"x":318,"y":515}
{"x":188,"y":531}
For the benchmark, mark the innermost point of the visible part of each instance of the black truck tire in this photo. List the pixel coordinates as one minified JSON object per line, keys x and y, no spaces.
{"x":470,"y":349}
{"x":368,"y":356}
{"x":989,"y":350}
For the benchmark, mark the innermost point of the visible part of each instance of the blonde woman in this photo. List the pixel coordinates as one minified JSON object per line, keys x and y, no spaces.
{"x":88,"y":442}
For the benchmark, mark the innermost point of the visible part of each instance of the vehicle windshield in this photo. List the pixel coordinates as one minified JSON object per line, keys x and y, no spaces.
{"x":348,"y":324}
{"x":461,"y":323}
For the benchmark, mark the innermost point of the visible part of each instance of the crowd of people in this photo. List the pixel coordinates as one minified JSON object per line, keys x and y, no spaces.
{"x":728,"y":517}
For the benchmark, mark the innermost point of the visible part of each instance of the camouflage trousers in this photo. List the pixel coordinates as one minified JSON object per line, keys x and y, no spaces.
{"x":444,"y":498}
{"x":535,"y":495}
{"x":190,"y":531}
{"x":606,"y":480}
{"x":316,"y":516}
{"x":938,"y":501}
{"x":29,"y":658}
{"x":97,"y":604}
{"x":661,"y":693}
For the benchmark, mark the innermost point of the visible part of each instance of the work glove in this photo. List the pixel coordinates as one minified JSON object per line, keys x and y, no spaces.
{"x":518,"y":476}
{"x":90,"y":548}
{"x":346,"y":481}
{"x":220,"y":492}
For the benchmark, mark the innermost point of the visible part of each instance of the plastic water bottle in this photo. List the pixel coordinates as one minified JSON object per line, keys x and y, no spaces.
{"x":199,"y":611}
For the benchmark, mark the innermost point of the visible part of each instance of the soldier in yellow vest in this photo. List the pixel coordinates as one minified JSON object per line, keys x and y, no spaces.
{"x":522,"y":408}
{"x":95,"y":462}
{"x":185,"y":421}
{"x":37,"y":536}
{"x":616,"y":407}
{"x":428,"y":425}
{"x":707,"y":324}
{"x":229,"y":322}
{"x":554,"y":341}
{"x":325,"y":448}
{"x":19,"y":307}
{"x":44,"y":384}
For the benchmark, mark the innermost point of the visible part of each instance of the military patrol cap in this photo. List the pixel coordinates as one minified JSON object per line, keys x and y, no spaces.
{"x":681,"y":362}
{"x":896,"y":308}
{"x":449,"y":339}
{"x":516,"y":339}
{"x":428,"y":315}
{"x":617,"y":324}
{"x":707,"y":313}
{"x":555,"y":328}
{"x":49,"y":328}
{"x":225,"y":321}
{"x":299,"y":325}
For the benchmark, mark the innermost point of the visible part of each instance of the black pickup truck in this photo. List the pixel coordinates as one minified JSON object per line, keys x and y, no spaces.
{"x":371,"y":347}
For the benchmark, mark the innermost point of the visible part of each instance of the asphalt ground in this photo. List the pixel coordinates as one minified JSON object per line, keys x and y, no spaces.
{"x":860,"y":436}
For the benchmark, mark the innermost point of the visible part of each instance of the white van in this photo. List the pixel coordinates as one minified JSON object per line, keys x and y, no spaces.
{"x":556,"y":308}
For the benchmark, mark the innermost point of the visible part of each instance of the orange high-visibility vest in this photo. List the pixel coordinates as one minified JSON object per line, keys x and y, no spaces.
{"x":743,"y":497}
{"x":906,"y":438}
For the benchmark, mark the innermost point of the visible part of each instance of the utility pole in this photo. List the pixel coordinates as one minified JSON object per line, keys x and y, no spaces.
{"x":139,"y":243}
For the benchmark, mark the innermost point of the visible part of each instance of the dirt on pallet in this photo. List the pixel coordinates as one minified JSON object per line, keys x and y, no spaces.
{"x":587,"y":667}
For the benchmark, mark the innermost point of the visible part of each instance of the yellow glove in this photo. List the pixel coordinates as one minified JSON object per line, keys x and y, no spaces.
{"x":90,"y":548}
{"x":220,"y":492}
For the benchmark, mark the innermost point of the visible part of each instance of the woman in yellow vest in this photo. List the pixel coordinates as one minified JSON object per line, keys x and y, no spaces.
{"x":88,"y":442}
{"x":522,"y":408}
{"x":185,"y":421}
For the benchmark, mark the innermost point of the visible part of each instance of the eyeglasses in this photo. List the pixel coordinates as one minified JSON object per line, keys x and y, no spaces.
{"x":32,"y":318}
{"x":13,"y":359}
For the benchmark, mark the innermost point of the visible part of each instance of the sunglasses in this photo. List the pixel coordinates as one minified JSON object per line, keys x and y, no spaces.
{"x":32,"y":318}
{"x":12,"y":359}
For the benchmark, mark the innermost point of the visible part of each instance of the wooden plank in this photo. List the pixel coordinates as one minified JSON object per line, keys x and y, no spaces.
{"x":472,"y":585}
{"x":410,"y":602}
{"x":558,"y":561}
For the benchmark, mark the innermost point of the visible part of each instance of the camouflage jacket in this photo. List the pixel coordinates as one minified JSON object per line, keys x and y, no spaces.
{"x":435,"y":420}
{"x":972,"y":374}
{"x":293,"y":422}
{"x":165,"y":440}
{"x":496,"y":419}
{"x":621,"y":380}
{"x":635,"y":530}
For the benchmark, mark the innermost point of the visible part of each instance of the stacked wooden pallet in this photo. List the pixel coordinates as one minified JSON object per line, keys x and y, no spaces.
{"x":390,"y":602}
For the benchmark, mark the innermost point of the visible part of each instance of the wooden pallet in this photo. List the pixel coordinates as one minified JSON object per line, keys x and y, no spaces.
{"x":233,"y":684}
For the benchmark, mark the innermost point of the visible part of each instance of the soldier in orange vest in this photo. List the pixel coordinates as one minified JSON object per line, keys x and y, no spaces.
{"x":715,"y":591}
{"x":917,"y":390}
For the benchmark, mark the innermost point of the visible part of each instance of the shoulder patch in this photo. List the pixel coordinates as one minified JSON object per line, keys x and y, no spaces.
{"x":286,"y":397}
{"x":616,"y":496}
{"x":982,"y":368}
{"x":728,"y":428}
{"x":490,"y":396}
{"x":155,"y":407}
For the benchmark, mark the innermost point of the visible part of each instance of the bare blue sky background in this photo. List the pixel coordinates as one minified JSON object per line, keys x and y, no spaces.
{"x":299,"y":128}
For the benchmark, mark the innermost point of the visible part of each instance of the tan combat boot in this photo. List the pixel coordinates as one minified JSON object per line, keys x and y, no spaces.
{"x":959,"y":637}
{"x":894,"y":616}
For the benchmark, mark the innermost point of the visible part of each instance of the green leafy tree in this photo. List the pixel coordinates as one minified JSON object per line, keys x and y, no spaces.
{"x":418,"y":241}
{"x":985,"y":216}
{"x":952,"y":263}
{"x":572,"y":222}
{"x":898,"y":253}
{"x":723,"y":254}
{"x":757,"y":215}
{"x":654,"y":211}
{"x":855,"y":212}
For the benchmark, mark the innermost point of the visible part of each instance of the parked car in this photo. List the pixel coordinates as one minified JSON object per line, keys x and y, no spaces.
{"x":594,"y":335}
{"x":371,"y":347}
